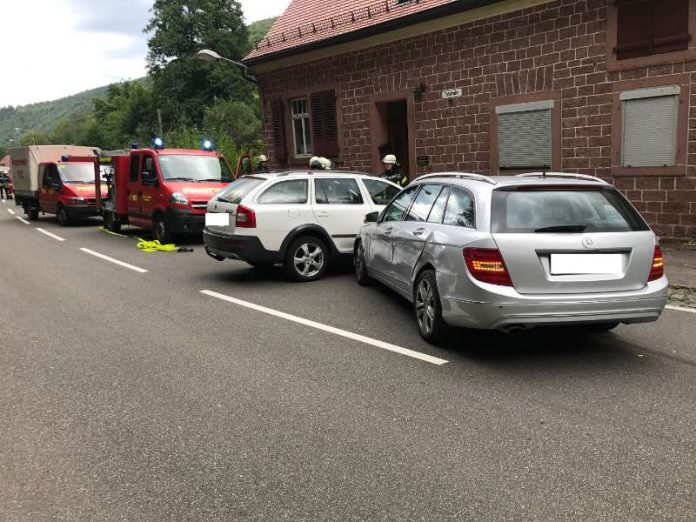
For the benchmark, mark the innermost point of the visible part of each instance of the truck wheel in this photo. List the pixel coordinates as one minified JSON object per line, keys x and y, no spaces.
{"x":111,"y":223}
{"x":161,"y":231}
{"x":62,"y":216}
{"x":33,"y":214}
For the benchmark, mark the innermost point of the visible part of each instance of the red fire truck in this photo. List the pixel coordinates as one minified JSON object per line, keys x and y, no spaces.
{"x":45,"y":180}
{"x":164,"y":190}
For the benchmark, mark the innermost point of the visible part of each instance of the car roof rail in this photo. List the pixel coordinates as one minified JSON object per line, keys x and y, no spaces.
{"x":567,"y":175}
{"x":460,"y":175}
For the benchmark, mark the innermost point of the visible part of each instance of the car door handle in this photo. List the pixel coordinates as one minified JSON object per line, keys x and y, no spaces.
{"x":388,"y":231}
{"x":322,"y":214}
{"x":418,"y":232}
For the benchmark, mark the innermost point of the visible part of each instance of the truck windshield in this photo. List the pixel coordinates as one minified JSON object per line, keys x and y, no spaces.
{"x":76,"y":172}
{"x":181,"y":167}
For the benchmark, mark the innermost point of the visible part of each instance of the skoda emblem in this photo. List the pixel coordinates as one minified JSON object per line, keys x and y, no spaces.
{"x":587,"y":242}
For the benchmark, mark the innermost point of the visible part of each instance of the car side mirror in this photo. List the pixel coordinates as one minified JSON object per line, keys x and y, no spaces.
{"x":372,"y":217}
{"x":150,"y":178}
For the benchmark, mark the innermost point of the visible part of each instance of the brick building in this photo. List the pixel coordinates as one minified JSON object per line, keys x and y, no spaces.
{"x":601,"y":87}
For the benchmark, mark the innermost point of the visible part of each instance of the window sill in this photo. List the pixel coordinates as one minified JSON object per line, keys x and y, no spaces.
{"x":678,"y":170}
{"x":613,"y":64}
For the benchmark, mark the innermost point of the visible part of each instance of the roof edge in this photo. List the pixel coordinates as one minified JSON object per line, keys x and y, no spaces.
{"x":386,"y":26}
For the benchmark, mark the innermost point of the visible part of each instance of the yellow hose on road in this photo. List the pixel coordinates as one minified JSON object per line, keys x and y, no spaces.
{"x":144,"y":245}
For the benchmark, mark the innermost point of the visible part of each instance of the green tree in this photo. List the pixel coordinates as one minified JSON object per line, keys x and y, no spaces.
{"x":235,"y":119}
{"x":183,"y":84}
{"x":259,"y":29}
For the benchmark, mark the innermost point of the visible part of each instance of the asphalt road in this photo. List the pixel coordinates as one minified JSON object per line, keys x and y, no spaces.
{"x":131,"y":395}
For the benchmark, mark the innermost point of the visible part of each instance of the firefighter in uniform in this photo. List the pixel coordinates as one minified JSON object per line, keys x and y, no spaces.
{"x":262,"y":164}
{"x":4,"y":186}
{"x":391,"y":171}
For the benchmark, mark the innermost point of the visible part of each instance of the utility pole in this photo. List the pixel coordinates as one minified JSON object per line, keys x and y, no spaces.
{"x":159,"y":122}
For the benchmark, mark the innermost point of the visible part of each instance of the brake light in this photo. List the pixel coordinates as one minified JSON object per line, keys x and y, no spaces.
{"x":657,"y":269}
{"x":487,"y":265}
{"x":246,"y":218}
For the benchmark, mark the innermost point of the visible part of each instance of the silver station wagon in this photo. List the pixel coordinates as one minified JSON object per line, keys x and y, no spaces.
{"x":512,"y":253}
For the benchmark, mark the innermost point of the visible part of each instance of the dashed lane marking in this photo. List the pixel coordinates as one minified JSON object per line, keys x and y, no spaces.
{"x":22,"y":220}
{"x":114,"y":261}
{"x":49,"y":234}
{"x":11,"y":211}
{"x":326,"y":328}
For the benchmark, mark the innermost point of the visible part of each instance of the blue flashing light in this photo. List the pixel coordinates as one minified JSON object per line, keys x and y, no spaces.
{"x":158,"y":143}
{"x":207,"y":145}
{"x":134,"y":145}
{"x":64,"y":157}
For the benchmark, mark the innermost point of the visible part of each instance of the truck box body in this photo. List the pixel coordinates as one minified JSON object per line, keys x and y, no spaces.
{"x":25,"y":161}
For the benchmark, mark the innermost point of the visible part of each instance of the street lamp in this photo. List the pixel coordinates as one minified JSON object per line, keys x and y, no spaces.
{"x":208,"y":55}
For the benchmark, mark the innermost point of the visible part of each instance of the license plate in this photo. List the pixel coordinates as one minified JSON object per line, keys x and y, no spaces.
{"x":221,"y":219}
{"x":569,"y":264}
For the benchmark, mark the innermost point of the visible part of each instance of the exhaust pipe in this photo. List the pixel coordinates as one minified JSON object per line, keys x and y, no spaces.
{"x":514,"y":330}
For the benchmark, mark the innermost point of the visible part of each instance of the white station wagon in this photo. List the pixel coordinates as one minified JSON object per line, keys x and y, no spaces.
{"x":298,"y":219}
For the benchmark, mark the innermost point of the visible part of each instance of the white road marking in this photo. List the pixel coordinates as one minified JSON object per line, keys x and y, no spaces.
{"x":22,"y":220}
{"x":326,"y":328}
{"x":112,"y":260}
{"x":11,"y":211}
{"x":49,"y":234}
{"x":681,"y":309}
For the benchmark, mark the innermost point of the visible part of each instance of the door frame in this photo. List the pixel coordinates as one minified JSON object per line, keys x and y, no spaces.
{"x":377,"y":127}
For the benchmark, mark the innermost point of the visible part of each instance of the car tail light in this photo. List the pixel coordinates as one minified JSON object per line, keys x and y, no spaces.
{"x":246,"y":218}
{"x":487,"y":265}
{"x":657,"y":269}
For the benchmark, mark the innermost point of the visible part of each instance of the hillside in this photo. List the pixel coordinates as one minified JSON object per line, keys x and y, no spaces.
{"x":44,"y":116}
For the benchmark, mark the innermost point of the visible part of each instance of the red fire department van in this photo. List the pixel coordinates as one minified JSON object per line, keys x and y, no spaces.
{"x":45,"y":180}
{"x":163,"y":190}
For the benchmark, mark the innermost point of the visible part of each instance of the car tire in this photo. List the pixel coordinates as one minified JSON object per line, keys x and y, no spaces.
{"x":62,"y":216}
{"x":360,"y":264}
{"x":307,"y":259}
{"x":160,"y":230}
{"x":33,"y":214}
{"x":599,"y":328}
{"x":111,"y":223}
{"x":427,"y":308}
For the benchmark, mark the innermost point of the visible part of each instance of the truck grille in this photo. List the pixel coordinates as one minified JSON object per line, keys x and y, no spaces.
{"x":199,"y":205}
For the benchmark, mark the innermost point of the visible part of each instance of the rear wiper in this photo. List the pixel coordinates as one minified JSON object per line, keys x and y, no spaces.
{"x":225,"y":200}
{"x":563,"y":228}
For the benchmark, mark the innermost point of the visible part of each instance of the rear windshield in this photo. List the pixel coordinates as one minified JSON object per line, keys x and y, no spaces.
{"x":562,"y":209}
{"x":236,"y":191}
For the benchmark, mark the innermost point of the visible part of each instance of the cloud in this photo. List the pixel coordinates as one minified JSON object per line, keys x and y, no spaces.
{"x":127,"y":17}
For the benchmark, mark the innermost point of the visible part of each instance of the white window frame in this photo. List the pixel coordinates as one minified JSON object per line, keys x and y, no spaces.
{"x":303,"y":116}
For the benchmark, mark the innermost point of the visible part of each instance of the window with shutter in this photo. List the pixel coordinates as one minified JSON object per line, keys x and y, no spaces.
{"x":278,"y":123}
{"x":649,"y":127}
{"x":648,"y":27}
{"x":525,"y":135}
{"x":324,"y":124}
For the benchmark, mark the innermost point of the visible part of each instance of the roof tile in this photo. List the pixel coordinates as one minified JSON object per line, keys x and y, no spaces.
{"x":311,"y":21}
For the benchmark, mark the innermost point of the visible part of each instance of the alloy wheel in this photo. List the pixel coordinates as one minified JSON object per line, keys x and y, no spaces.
{"x":425,"y":311}
{"x":308,"y":259}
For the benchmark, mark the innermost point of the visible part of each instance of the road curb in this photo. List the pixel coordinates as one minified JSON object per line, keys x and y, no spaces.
{"x":684,"y":296}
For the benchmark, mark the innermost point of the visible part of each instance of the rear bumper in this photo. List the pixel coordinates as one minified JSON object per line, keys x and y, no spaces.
{"x":501,"y":312}
{"x":184,"y":221}
{"x":246,"y":248}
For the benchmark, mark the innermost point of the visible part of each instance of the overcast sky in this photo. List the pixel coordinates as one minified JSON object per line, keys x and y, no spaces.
{"x":54,"y":48}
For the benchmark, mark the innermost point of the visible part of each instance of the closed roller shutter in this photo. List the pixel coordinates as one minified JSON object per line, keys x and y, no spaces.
{"x":649,"y":131}
{"x":524,"y":139}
